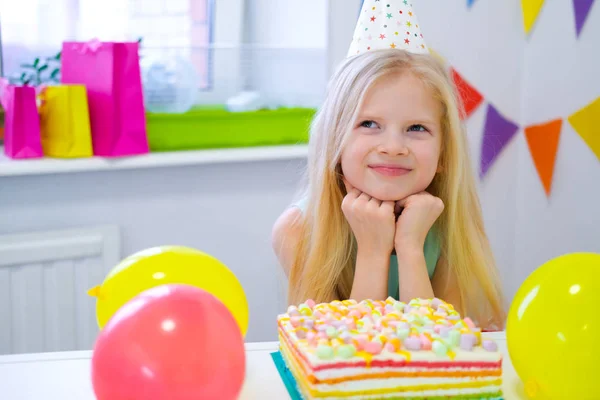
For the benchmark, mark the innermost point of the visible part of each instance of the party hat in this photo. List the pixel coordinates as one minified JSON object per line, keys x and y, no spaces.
{"x":387,"y":24}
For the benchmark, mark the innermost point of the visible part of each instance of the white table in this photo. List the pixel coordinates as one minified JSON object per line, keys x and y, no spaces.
{"x":66,"y":375}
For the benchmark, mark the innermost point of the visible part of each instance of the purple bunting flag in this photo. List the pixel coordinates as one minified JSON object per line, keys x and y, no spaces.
{"x":497,"y":134}
{"x":582,"y":10}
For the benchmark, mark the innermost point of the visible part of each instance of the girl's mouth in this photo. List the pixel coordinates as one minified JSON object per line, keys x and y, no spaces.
{"x":389,"y":169}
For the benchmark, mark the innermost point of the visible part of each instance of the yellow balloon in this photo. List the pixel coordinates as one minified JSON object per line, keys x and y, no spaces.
{"x":553,"y":329}
{"x":167,"y":265}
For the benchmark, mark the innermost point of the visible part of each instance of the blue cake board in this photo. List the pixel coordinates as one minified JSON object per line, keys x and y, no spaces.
{"x":286,"y":376}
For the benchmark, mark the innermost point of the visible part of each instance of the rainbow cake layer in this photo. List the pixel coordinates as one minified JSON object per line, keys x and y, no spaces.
{"x":388,"y":350}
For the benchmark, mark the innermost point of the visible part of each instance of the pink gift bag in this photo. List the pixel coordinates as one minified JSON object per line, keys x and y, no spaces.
{"x":111,"y":73}
{"x":22,"y":138}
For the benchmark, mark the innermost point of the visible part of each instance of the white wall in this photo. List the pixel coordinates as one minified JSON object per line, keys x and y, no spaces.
{"x":561,"y":77}
{"x":226,"y":210}
{"x":534,"y":79}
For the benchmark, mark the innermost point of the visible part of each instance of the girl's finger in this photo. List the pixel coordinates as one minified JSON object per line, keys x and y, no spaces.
{"x":347,"y":184}
{"x":364,"y":198}
{"x":375,"y":202}
{"x":388,"y":205}
{"x":351,"y":190}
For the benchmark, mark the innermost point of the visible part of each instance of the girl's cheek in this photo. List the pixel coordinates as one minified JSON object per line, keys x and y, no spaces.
{"x":356,"y":158}
{"x":364,"y":145}
{"x":427,"y":151}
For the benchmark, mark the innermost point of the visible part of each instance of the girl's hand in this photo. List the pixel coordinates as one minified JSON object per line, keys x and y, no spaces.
{"x":419,"y":213}
{"x":371,"y":220}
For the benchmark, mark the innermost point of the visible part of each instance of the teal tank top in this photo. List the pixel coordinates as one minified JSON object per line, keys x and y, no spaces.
{"x":431,"y":250}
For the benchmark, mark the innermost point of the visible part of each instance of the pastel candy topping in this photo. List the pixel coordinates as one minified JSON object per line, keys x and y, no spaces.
{"x":439,"y":348}
{"x":490,"y":345}
{"x":454,"y":338}
{"x":325,"y":352}
{"x":412,"y":343}
{"x":346,"y":351}
{"x":467,"y":341}
{"x":347,"y":329}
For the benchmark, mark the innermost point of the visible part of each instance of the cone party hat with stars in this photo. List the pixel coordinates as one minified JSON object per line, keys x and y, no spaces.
{"x":387,"y":24}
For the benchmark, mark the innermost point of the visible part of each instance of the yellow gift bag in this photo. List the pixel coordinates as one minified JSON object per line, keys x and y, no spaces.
{"x":65,"y":121}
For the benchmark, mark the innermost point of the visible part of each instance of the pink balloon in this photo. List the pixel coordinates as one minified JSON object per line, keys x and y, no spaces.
{"x":173,"y":342}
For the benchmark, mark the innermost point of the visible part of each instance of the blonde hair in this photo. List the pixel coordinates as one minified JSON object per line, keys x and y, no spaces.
{"x":323,"y":266}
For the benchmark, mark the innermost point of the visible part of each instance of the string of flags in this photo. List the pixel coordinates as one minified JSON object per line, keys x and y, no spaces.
{"x":542,"y":139}
{"x":531,"y":10}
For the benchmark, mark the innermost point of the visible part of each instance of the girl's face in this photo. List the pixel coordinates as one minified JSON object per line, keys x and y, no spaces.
{"x":394,"y":147}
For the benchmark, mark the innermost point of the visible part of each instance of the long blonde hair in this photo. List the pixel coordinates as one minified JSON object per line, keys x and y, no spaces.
{"x":323,"y":267}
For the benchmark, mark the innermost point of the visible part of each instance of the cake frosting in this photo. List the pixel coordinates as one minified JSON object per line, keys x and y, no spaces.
{"x":388,"y":349}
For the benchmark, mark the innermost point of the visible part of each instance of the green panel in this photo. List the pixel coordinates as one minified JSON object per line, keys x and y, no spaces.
{"x":215,"y":127}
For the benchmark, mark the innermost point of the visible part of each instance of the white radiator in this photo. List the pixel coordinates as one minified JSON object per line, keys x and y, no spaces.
{"x":44,"y":277}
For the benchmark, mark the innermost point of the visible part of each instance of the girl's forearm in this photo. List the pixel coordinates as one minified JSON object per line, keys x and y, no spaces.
{"x":370,"y":276}
{"x":413,"y":276}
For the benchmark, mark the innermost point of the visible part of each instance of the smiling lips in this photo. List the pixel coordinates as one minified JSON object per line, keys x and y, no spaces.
{"x":389,"y":169}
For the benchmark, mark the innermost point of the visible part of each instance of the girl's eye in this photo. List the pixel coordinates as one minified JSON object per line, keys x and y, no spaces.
{"x":417,"y":128}
{"x":368,"y":124}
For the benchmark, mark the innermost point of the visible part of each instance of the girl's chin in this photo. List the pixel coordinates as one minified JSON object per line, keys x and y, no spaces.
{"x":383,"y":191}
{"x":387,"y":195}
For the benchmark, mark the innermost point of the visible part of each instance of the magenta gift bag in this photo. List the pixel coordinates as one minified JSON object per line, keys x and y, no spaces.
{"x":22,"y":138}
{"x":111,"y":73}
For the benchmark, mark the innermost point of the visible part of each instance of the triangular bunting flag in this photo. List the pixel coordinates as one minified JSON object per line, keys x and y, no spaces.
{"x":470,"y":3}
{"x":586,"y":123}
{"x":469,"y":96}
{"x":531,"y":10}
{"x":497,"y":133}
{"x":543,"y":143}
{"x":438,"y":56}
{"x":582,"y":9}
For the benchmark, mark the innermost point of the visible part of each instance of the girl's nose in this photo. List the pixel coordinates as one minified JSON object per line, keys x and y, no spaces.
{"x":393,"y":144}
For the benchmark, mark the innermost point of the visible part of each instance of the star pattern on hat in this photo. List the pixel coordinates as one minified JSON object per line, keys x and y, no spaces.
{"x":382,"y":20}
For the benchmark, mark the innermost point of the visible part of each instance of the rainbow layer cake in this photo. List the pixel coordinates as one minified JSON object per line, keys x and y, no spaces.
{"x":388,"y":350}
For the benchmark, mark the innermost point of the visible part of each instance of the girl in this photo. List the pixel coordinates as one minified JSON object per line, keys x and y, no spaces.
{"x":391,"y":206}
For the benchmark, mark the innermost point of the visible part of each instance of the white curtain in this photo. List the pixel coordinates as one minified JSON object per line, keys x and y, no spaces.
{"x":36,"y":28}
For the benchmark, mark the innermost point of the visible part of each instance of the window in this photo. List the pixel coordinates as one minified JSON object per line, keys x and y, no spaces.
{"x":234,"y":45}
{"x":178,"y":25}
{"x":36,"y":28}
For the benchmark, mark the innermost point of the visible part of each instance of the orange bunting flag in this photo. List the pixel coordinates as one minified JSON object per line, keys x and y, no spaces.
{"x":470,"y":97}
{"x":543,"y":144}
{"x":586,"y":123}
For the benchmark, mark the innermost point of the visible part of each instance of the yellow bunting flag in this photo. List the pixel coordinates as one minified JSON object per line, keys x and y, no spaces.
{"x":586,"y":123}
{"x":437,"y":55}
{"x":543,"y":143}
{"x":531,"y":10}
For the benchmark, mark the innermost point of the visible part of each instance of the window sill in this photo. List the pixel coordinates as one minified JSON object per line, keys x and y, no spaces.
{"x":45,"y":166}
